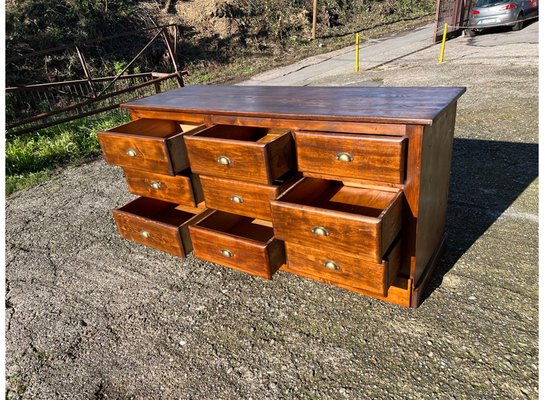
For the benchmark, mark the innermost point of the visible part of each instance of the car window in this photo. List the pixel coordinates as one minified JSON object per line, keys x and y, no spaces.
{"x":484,"y":3}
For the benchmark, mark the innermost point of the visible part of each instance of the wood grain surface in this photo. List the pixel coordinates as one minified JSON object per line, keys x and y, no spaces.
{"x":157,"y":224}
{"x":184,"y":188}
{"x":252,"y":247}
{"x":147,"y":144}
{"x":256,"y":155}
{"x":407,"y":105}
{"x":355,"y":219}
{"x":352,"y":271}
{"x":370,"y":157}
{"x":226,"y":194}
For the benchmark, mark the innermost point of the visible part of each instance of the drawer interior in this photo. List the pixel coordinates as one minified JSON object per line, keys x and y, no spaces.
{"x":237,"y":225}
{"x":157,"y":210}
{"x":153,"y":127}
{"x":241,"y":133}
{"x":333,"y":195}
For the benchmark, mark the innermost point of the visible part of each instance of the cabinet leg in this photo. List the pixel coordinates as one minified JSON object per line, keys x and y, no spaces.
{"x":418,"y":291}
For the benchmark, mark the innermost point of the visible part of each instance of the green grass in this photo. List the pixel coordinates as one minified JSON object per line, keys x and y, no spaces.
{"x":34,"y":157}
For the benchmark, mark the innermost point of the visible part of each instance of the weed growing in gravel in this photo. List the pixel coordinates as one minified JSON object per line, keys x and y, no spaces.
{"x":35,"y":156}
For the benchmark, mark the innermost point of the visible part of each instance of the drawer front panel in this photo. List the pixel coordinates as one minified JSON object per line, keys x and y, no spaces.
{"x":351,"y":156}
{"x":150,"y":154}
{"x":255,"y":258}
{"x":151,"y":233}
{"x":178,"y":189}
{"x":339,"y":268}
{"x":319,"y":228}
{"x":227,"y":160}
{"x":249,"y":199}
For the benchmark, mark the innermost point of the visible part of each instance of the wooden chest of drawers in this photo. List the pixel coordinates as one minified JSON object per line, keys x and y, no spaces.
{"x":344,"y":185}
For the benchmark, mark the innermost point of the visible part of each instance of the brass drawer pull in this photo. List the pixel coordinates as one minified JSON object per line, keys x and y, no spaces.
{"x":226,"y":253}
{"x":320,"y":231}
{"x":331,"y":265}
{"x":344,"y":157}
{"x":236,"y":199}
{"x":131,"y":152}
{"x":223,"y":160}
{"x":145,"y":234}
{"x":155,"y":185}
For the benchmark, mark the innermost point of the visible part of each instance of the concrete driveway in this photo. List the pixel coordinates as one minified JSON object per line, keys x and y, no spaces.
{"x":91,"y":316}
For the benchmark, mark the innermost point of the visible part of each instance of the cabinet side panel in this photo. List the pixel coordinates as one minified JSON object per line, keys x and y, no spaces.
{"x":436,"y":153}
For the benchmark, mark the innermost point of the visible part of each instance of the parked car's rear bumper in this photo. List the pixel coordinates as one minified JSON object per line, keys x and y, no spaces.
{"x":508,"y":19}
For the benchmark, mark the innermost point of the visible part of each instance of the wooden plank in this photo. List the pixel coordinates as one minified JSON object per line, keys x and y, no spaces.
{"x":401,"y":105}
{"x":366,"y":157}
{"x":436,"y":153}
{"x":399,"y":292}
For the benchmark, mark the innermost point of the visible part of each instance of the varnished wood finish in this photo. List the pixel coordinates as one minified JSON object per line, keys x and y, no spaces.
{"x":256,"y":155}
{"x":436,"y":153}
{"x":401,"y":136}
{"x":399,"y":292}
{"x":292,"y":124}
{"x":370,"y":157}
{"x":356,"y":220}
{"x":147,"y":144}
{"x":184,"y":188}
{"x":419,"y":291}
{"x":226,"y":194}
{"x":409,"y":105}
{"x":351,"y":270}
{"x":238,"y":242}
{"x":157,"y":224}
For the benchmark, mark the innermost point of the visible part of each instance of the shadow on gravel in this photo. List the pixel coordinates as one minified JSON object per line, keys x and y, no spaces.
{"x":486,"y":178}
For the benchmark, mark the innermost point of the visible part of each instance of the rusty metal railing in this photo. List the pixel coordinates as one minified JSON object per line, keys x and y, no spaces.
{"x":37,"y":106}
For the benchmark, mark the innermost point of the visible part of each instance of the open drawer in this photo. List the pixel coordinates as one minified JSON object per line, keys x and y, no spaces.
{"x":183,"y":189}
{"x":149,"y":144}
{"x":245,"y":153}
{"x":327,"y":214}
{"x":238,"y":242}
{"x":157,"y":224}
{"x":344,"y":269}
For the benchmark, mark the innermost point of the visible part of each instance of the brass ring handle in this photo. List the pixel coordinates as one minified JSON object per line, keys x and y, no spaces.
{"x":155,"y":185}
{"x":223,"y":160}
{"x":320,"y":231}
{"x":131,"y":152}
{"x":331,"y":265}
{"x":344,"y":157}
{"x":226,"y":253}
{"x":145,"y":234}
{"x":236,"y":199}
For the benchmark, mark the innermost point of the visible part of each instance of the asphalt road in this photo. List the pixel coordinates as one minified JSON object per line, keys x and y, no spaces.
{"x":91,"y":316}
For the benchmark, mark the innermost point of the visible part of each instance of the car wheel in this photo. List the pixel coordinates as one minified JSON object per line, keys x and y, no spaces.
{"x":471,"y":32}
{"x":518,"y":26}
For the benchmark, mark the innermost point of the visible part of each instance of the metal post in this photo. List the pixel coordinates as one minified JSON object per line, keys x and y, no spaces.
{"x":441,"y":59}
{"x":356,"y":52}
{"x":86,"y":71}
{"x":314,"y":20}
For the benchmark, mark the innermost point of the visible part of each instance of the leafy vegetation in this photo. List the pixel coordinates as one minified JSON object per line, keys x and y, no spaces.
{"x":221,"y":41}
{"x":35,"y":156}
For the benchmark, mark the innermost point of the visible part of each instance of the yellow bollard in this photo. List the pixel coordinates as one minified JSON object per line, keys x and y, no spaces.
{"x":356,"y":52}
{"x":441,"y":59}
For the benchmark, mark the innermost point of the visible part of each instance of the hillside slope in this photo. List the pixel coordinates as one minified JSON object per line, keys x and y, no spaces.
{"x":214,"y":34}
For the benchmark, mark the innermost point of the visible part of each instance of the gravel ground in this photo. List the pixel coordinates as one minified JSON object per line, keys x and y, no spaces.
{"x":92,"y":316}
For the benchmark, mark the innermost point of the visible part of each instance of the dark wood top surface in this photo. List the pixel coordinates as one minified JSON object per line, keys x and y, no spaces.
{"x":408,"y":105}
